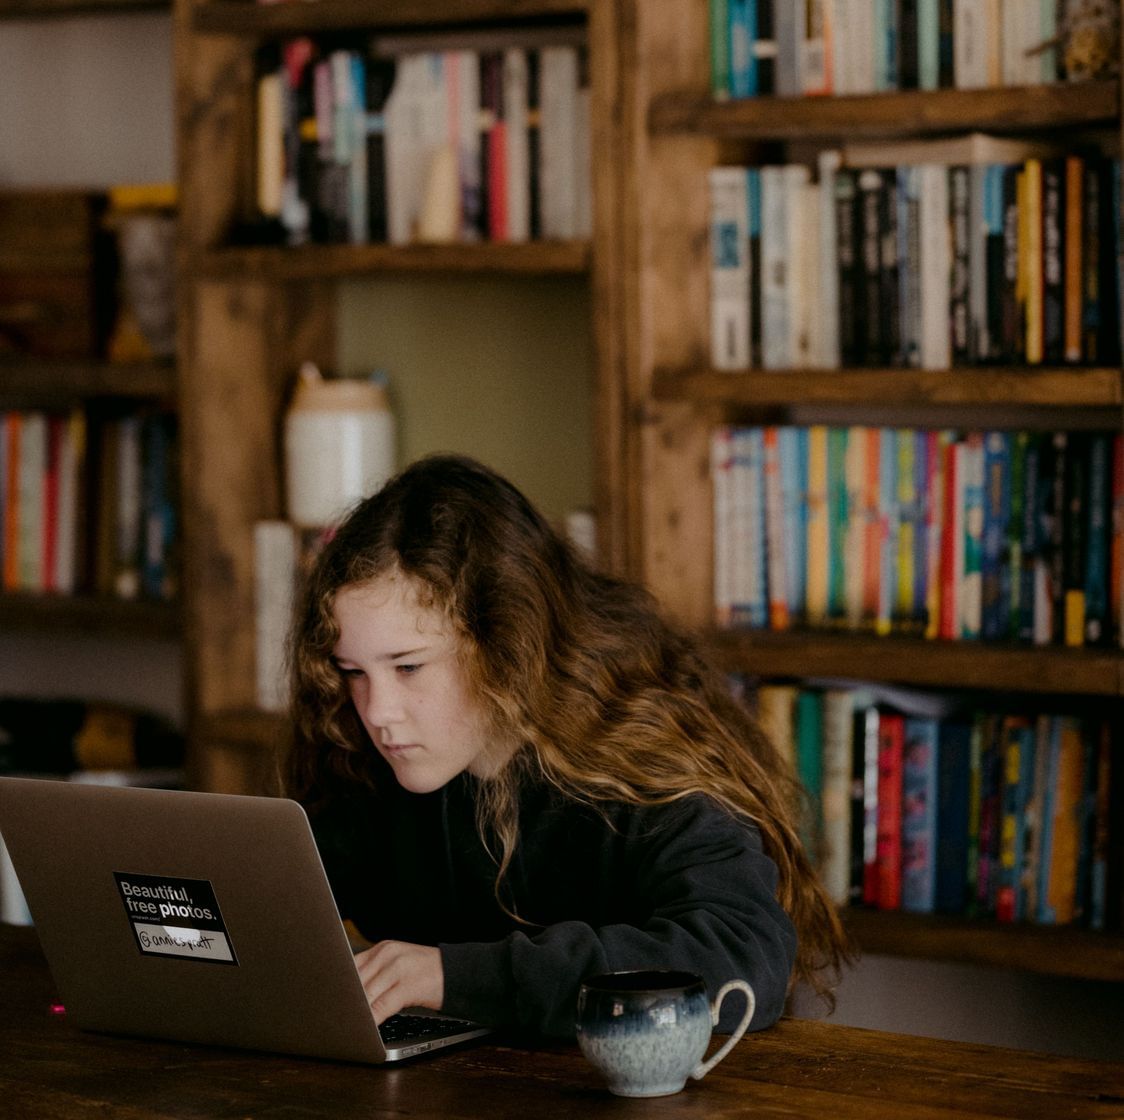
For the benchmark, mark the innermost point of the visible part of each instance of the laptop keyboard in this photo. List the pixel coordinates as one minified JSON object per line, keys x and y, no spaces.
{"x":403,"y":1028}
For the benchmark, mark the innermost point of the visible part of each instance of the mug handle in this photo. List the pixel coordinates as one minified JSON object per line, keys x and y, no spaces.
{"x":703,"y":1068}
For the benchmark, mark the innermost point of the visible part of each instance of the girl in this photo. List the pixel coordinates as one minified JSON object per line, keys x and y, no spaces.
{"x":519,"y":774}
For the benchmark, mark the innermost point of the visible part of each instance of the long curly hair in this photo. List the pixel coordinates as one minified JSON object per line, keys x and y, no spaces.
{"x":608,"y":700}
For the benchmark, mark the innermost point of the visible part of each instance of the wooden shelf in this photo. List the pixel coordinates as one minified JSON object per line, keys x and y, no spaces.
{"x":1048,"y":950}
{"x":45,"y":9}
{"x":916,"y":661}
{"x":89,"y":614}
{"x":981,"y":386}
{"x":911,"y":113}
{"x":293,"y":17}
{"x":339,"y":261}
{"x":246,"y":728}
{"x":47,"y":381}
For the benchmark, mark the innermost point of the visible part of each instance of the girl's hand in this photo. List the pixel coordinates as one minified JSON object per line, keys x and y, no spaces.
{"x":396,"y":974}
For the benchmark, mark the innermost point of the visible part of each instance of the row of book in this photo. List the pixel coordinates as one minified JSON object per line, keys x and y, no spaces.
{"x":817,"y":47}
{"x":934,"y":806}
{"x":486,"y":140}
{"x":931,"y":254}
{"x":88,"y":503}
{"x":995,"y":535}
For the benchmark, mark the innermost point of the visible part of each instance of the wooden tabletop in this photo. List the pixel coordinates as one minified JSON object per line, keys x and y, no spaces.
{"x":50,"y":1071}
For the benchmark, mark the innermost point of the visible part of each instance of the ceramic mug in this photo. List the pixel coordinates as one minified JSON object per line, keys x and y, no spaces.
{"x":646,"y":1032}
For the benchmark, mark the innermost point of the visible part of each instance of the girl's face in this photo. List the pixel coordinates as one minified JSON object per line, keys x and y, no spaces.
{"x":400,"y":662}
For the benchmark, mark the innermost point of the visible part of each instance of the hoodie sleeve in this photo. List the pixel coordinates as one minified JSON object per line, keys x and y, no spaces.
{"x":710,"y":907}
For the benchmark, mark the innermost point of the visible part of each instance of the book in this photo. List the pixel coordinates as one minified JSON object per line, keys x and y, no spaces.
{"x":517,"y":165}
{"x":972,"y":497}
{"x":953,"y":788}
{"x":817,"y":549}
{"x":776,"y":712}
{"x":837,"y":716}
{"x":919,"y":815}
{"x":559,"y":167}
{"x":994,"y":617}
{"x":722,"y":484}
{"x":808,"y":719}
{"x":792,"y":450}
{"x":30,"y":470}
{"x":1062,"y":823}
{"x":936,"y":265}
{"x":888,"y":843}
{"x":1098,"y":619}
{"x":1018,"y":745}
{"x":730,"y":265}
{"x":865,"y":873}
{"x":966,"y":148}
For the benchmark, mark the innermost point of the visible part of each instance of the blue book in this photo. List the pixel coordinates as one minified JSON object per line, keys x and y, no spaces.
{"x":838,"y":507}
{"x":743,"y":44}
{"x":1018,"y":747}
{"x":158,"y":507}
{"x":1029,"y":543}
{"x":997,"y":512}
{"x":809,"y":752}
{"x":1097,"y":615}
{"x":919,"y":815}
{"x":954,"y":767}
{"x":792,"y":445}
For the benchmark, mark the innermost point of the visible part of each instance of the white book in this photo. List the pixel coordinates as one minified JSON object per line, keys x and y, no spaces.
{"x":583,"y":151}
{"x":862,"y":43}
{"x":789,"y":30}
{"x":973,"y":41}
{"x":829,"y":355}
{"x":966,"y":148}
{"x":807,"y":307}
{"x":782,"y":224}
{"x":1020,"y":22}
{"x":816,"y":48}
{"x":729,"y":268}
{"x":558,"y":141}
{"x":416,"y":128}
{"x":517,"y":163}
{"x":936,"y":342}
{"x":275,"y":567}
{"x":842,"y":54}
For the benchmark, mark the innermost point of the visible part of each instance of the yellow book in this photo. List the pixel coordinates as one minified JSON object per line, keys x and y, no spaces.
{"x":907,"y":505}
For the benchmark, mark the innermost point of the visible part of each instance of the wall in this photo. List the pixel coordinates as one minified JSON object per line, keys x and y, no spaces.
{"x":495,"y":367}
{"x":87,"y":101}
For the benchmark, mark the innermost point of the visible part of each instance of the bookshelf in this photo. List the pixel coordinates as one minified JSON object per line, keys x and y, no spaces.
{"x":250,"y":315}
{"x":64,"y":383}
{"x":667,"y":398}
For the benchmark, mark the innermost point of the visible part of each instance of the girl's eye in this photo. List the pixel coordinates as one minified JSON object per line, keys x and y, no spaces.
{"x":349,"y":673}
{"x":406,"y":670}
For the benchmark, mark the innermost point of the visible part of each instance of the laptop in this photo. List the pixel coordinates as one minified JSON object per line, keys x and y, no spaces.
{"x":197,"y":917}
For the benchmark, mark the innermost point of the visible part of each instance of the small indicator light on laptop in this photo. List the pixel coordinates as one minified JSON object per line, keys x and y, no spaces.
{"x":58,"y":1009}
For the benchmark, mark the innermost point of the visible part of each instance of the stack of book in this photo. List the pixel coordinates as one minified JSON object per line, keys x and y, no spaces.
{"x":976,"y":535}
{"x":930,"y":804}
{"x":763,"y":47}
{"x":971,"y":251}
{"x":88,"y":503}
{"x":487,"y":138}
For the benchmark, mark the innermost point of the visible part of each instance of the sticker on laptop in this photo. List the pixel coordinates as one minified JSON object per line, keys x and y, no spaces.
{"x":175,"y":917}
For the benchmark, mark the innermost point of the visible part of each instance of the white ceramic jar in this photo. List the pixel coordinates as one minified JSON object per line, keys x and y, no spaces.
{"x":340,"y":446}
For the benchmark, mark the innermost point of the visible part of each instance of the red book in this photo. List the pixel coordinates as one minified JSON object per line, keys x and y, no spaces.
{"x":891,"y":744}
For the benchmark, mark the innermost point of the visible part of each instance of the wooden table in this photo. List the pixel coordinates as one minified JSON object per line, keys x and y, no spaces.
{"x":50,"y":1071}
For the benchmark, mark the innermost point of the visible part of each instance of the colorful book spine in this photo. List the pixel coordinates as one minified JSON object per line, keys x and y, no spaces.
{"x":919,"y":815}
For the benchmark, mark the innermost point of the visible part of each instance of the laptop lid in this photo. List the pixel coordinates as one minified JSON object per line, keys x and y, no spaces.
{"x":199,"y":917}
